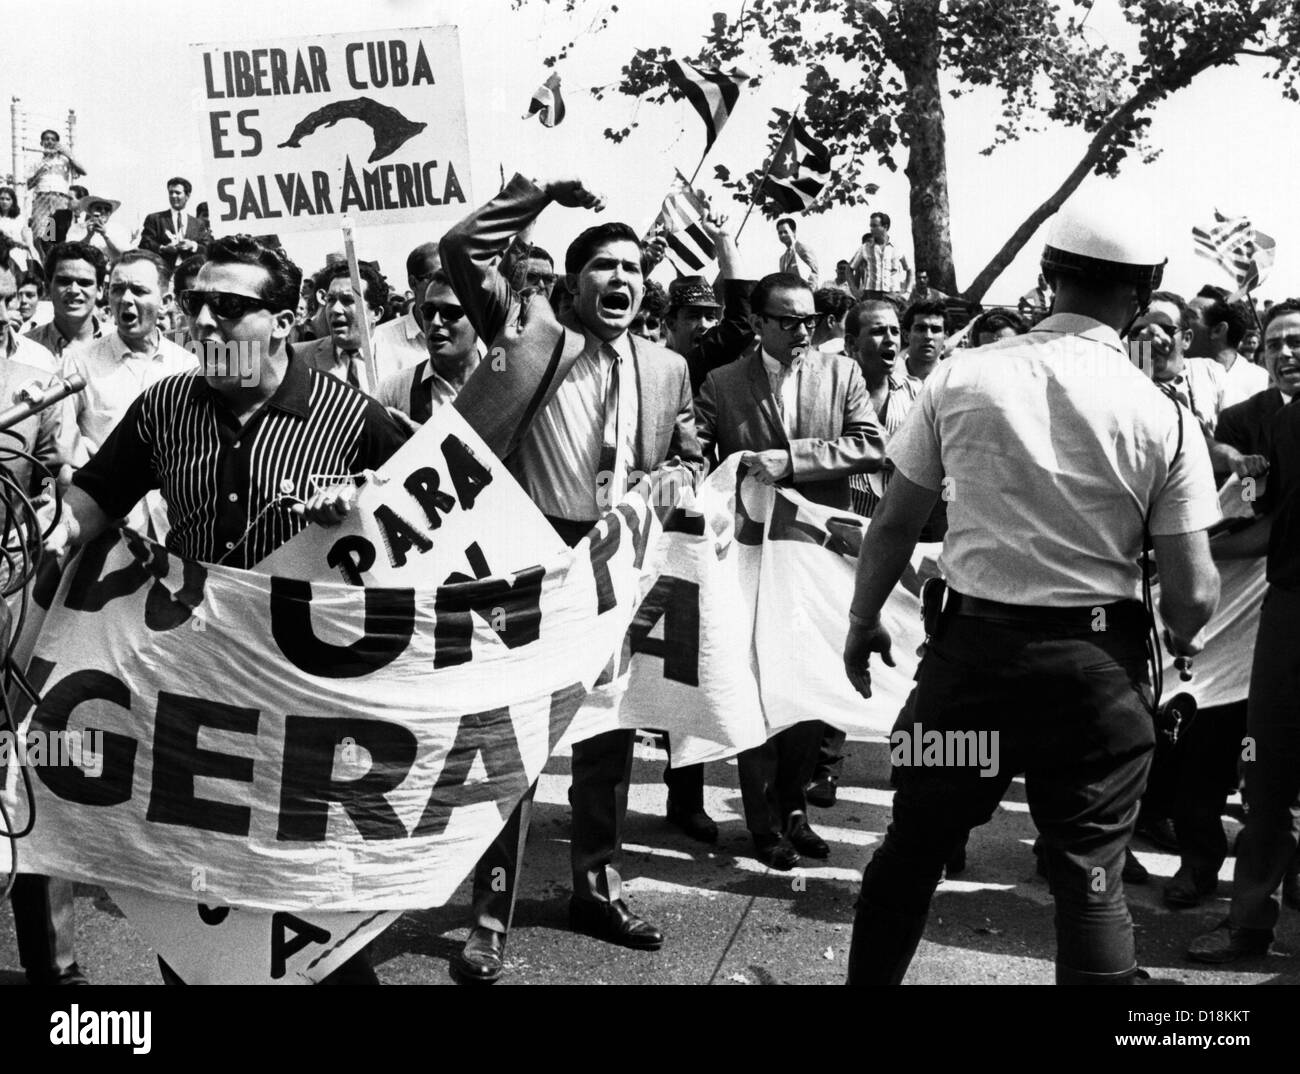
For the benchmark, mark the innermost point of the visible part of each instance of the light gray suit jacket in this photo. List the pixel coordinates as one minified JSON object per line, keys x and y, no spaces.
{"x":530,"y":352}
{"x":836,"y":432}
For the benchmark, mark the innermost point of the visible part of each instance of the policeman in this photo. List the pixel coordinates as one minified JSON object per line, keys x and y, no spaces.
{"x":1055,"y":455}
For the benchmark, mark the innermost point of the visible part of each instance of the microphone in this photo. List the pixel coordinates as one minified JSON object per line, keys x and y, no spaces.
{"x":32,"y":398}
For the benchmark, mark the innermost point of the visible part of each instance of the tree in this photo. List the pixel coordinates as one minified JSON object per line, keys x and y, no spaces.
{"x":871,"y":88}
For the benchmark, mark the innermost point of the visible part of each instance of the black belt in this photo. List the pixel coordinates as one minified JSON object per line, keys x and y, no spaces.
{"x":1120,"y":613}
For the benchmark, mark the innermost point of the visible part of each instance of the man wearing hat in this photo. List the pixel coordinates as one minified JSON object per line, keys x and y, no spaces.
{"x":95,"y":212}
{"x":1057,"y":459}
{"x":692,"y":311}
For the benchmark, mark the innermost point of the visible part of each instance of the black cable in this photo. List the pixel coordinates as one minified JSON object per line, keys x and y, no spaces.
{"x":21,"y":545}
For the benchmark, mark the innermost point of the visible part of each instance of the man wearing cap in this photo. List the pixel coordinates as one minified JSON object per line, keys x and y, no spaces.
{"x":802,"y":419}
{"x":692,"y":311}
{"x":1056,"y":457}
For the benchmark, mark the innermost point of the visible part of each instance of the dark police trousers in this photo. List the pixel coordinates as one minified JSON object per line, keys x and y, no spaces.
{"x":602,"y":773}
{"x":44,"y":923}
{"x":1272,"y":765}
{"x":1069,"y":707}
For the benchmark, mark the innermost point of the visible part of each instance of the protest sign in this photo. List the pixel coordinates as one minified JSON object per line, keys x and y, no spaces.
{"x":423,"y":520}
{"x":307,"y":745}
{"x":204,"y":944}
{"x":299,"y":131}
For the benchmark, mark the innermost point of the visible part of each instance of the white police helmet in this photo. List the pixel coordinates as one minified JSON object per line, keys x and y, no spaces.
{"x":1105,"y":239}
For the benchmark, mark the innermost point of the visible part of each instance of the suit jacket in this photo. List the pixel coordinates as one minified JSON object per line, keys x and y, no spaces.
{"x":529,"y":352}
{"x":1246,"y":425}
{"x":160,"y":229}
{"x":835,"y":425}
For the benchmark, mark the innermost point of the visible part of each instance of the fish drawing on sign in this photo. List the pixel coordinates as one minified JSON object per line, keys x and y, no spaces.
{"x":391,"y":129}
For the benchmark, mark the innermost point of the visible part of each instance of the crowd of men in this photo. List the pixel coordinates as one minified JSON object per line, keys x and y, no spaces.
{"x":828,"y":390}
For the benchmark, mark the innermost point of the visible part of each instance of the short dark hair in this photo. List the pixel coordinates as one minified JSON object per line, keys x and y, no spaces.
{"x":1212,"y":291}
{"x":52,"y":131}
{"x":1280,"y":309}
{"x":787,"y":220}
{"x":284,"y":278}
{"x":376,"y":287}
{"x":853,"y":320}
{"x":76,"y":251}
{"x":180,"y":180}
{"x":654,"y":301}
{"x":923,"y":309}
{"x":996,"y":320}
{"x":416,"y":258}
{"x":589,"y":241}
{"x":832,"y":300}
{"x":132,"y":257}
{"x":187,"y":272}
{"x":1185,"y":312}
{"x":884,"y":219}
{"x":775,"y":281}
{"x":13,"y":200}
{"x":1236,"y":315}
{"x":34,"y":278}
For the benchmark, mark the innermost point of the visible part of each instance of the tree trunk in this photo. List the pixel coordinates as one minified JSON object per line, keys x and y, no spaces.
{"x":922,"y":127}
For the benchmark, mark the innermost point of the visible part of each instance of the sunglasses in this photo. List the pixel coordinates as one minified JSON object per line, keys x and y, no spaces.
{"x":789,"y":324}
{"x":446,"y":314}
{"x":224,"y":305}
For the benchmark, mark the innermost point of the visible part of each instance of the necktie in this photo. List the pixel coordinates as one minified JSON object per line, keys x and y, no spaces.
{"x":180,"y":227}
{"x":611,"y":461}
{"x":357,"y":371}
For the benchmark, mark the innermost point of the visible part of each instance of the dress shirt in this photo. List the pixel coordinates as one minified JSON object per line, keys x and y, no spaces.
{"x":558,"y":459}
{"x":49,"y":337}
{"x":880,"y":267}
{"x":417,"y":391}
{"x":784,"y":380}
{"x":398,"y":344}
{"x":1200,"y":387}
{"x":115,"y":376}
{"x":1243,"y":380}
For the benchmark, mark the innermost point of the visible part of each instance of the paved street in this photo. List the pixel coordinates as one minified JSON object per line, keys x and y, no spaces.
{"x":729,"y":920}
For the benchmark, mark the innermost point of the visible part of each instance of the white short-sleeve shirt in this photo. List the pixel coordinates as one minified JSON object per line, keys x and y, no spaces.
{"x":1052,"y":450}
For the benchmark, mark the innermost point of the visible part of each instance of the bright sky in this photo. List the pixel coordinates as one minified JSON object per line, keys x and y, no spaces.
{"x":130,"y":76}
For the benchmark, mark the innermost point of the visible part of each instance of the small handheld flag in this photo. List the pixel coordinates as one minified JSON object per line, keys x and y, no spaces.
{"x":548,"y":101}
{"x":713,"y":93}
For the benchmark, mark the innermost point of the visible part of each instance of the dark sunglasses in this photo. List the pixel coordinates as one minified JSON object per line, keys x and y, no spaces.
{"x":224,"y":305}
{"x":447,"y":314}
{"x":789,"y":324}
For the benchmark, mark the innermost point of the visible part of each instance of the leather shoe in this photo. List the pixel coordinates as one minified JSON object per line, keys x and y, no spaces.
{"x":1134,"y":872}
{"x":480,"y":960}
{"x":1159,"y":832}
{"x":804,"y":839}
{"x":613,"y":922}
{"x":1227,"y":944}
{"x":1186,"y":889}
{"x":1291,"y":889}
{"x":695,"y":823}
{"x":776,"y":853}
{"x":821,"y":792}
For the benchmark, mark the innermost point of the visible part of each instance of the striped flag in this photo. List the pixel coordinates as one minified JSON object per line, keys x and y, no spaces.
{"x":1233,"y":244}
{"x":679,"y":223}
{"x":712,"y":92}
{"x":547,"y":100}
{"x":799,"y":170}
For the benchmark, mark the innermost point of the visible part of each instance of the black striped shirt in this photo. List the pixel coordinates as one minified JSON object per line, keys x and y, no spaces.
{"x":221,"y":479}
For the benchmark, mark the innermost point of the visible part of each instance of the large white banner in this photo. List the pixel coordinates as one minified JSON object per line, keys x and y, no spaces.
{"x":298,"y":132}
{"x":282,"y":744}
{"x":743,"y":632}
